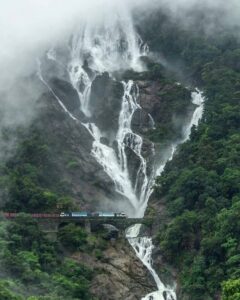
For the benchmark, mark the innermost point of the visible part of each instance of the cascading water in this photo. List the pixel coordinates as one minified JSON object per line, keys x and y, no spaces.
{"x":112,"y":45}
{"x":126,"y":138}
{"x":116,"y":164}
{"x":143,"y":246}
{"x":109,"y":46}
{"x":197,"y":99}
{"x":117,"y":168}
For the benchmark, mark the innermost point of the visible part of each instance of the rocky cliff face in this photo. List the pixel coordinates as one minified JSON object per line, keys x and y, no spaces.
{"x":71,"y":142}
{"x":120,"y":274}
{"x":105,"y":103}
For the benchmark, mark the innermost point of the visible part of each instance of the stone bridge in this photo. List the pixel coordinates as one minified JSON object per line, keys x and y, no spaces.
{"x":52,"y":225}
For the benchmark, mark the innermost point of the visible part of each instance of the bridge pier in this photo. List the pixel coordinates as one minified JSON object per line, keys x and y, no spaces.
{"x":87,"y":225}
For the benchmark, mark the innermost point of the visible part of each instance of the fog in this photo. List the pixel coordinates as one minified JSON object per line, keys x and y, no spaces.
{"x":28,"y":27}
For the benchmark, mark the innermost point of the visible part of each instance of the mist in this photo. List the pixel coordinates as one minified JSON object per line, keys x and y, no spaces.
{"x":27,"y":28}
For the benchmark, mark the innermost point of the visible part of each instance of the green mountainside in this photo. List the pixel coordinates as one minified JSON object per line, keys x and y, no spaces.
{"x":200,"y":187}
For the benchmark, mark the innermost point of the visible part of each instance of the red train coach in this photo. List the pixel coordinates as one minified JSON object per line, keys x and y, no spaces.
{"x":10,"y":215}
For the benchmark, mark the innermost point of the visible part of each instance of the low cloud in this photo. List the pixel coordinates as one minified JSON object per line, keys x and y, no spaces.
{"x":28,"y":27}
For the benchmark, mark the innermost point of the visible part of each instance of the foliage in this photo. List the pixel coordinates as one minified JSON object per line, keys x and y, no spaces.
{"x":32,"y":260}
{"x":201,"y":186}
{"x":231,"y":289}
{"x":72,"y":236}
{"x":32,"y":181}
{"x":6,"y":293}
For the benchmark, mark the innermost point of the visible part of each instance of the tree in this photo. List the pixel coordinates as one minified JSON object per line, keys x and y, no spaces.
{"x":231,"y":289}
{"x":72,"y":236}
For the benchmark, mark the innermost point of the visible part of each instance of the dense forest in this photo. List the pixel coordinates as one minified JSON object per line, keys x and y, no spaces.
{"x":200,"y":186}
{"x":32,"y":265}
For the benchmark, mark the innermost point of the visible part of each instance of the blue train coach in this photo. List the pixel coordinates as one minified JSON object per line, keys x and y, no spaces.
{"x":99,"y":214}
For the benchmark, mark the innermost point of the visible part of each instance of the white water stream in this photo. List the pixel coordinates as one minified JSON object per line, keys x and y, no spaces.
{"x":143,"y":246}
{"x":109,"y":46}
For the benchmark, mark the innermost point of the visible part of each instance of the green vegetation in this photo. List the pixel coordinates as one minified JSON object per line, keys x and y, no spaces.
{"x":6,"y":293}
{"x":31,"y":179}
{"x":34,"y":265}
{"x":231,"y":290}
{"x":32,"y":261}
{"x":72,"y":236}
{"x":72,"y":164}
{"x":175,"y":103}
{"x":201,"y":186}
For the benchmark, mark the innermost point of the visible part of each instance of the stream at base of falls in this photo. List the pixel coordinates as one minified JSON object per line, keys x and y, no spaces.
{"x":143,"y":247}
{"x":112,"y":46}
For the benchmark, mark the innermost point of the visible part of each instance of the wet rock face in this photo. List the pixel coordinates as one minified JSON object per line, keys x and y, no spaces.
{"x":166,"y":106}
{"x":66,"y":93}
{"x":162,"y":100}
{"x":133,"y":164}
{"x":120,"y":274}
{"x":70,"y":144}
{"x":141,"y":121}
{"x":149,"y":98}
{"x":105,"y":102}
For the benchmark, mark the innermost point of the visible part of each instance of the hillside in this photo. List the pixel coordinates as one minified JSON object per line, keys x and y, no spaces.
{"x":135,"y":112}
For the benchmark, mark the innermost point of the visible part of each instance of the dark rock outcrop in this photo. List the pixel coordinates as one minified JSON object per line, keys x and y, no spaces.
{"x":166,"y":106}
{"x":141,"y":121}
{"x":66,"y":93}
{"x":105,"y":102}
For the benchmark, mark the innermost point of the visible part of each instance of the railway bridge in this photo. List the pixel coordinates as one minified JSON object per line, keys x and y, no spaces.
{"x":51,"y":223}
{"x":93,"y":224}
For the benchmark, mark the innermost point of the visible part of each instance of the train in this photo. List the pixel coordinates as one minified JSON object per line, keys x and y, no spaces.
{"x":86,"y":214}
{"x":76,"y":214}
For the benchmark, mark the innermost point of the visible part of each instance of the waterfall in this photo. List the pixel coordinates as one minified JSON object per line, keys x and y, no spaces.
{"x":116,"y":164}
{"x":117,"y":169}
{"x":143,"y":246}
{"x":107,"y":53}
{"x":198,"y":100}
{"x":112,"y":45}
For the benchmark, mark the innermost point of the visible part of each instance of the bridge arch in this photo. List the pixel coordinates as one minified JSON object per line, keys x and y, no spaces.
{"x":64,"y":223}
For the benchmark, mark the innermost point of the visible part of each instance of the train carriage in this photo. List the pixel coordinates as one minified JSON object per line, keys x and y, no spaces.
{"x":76,"y":214}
